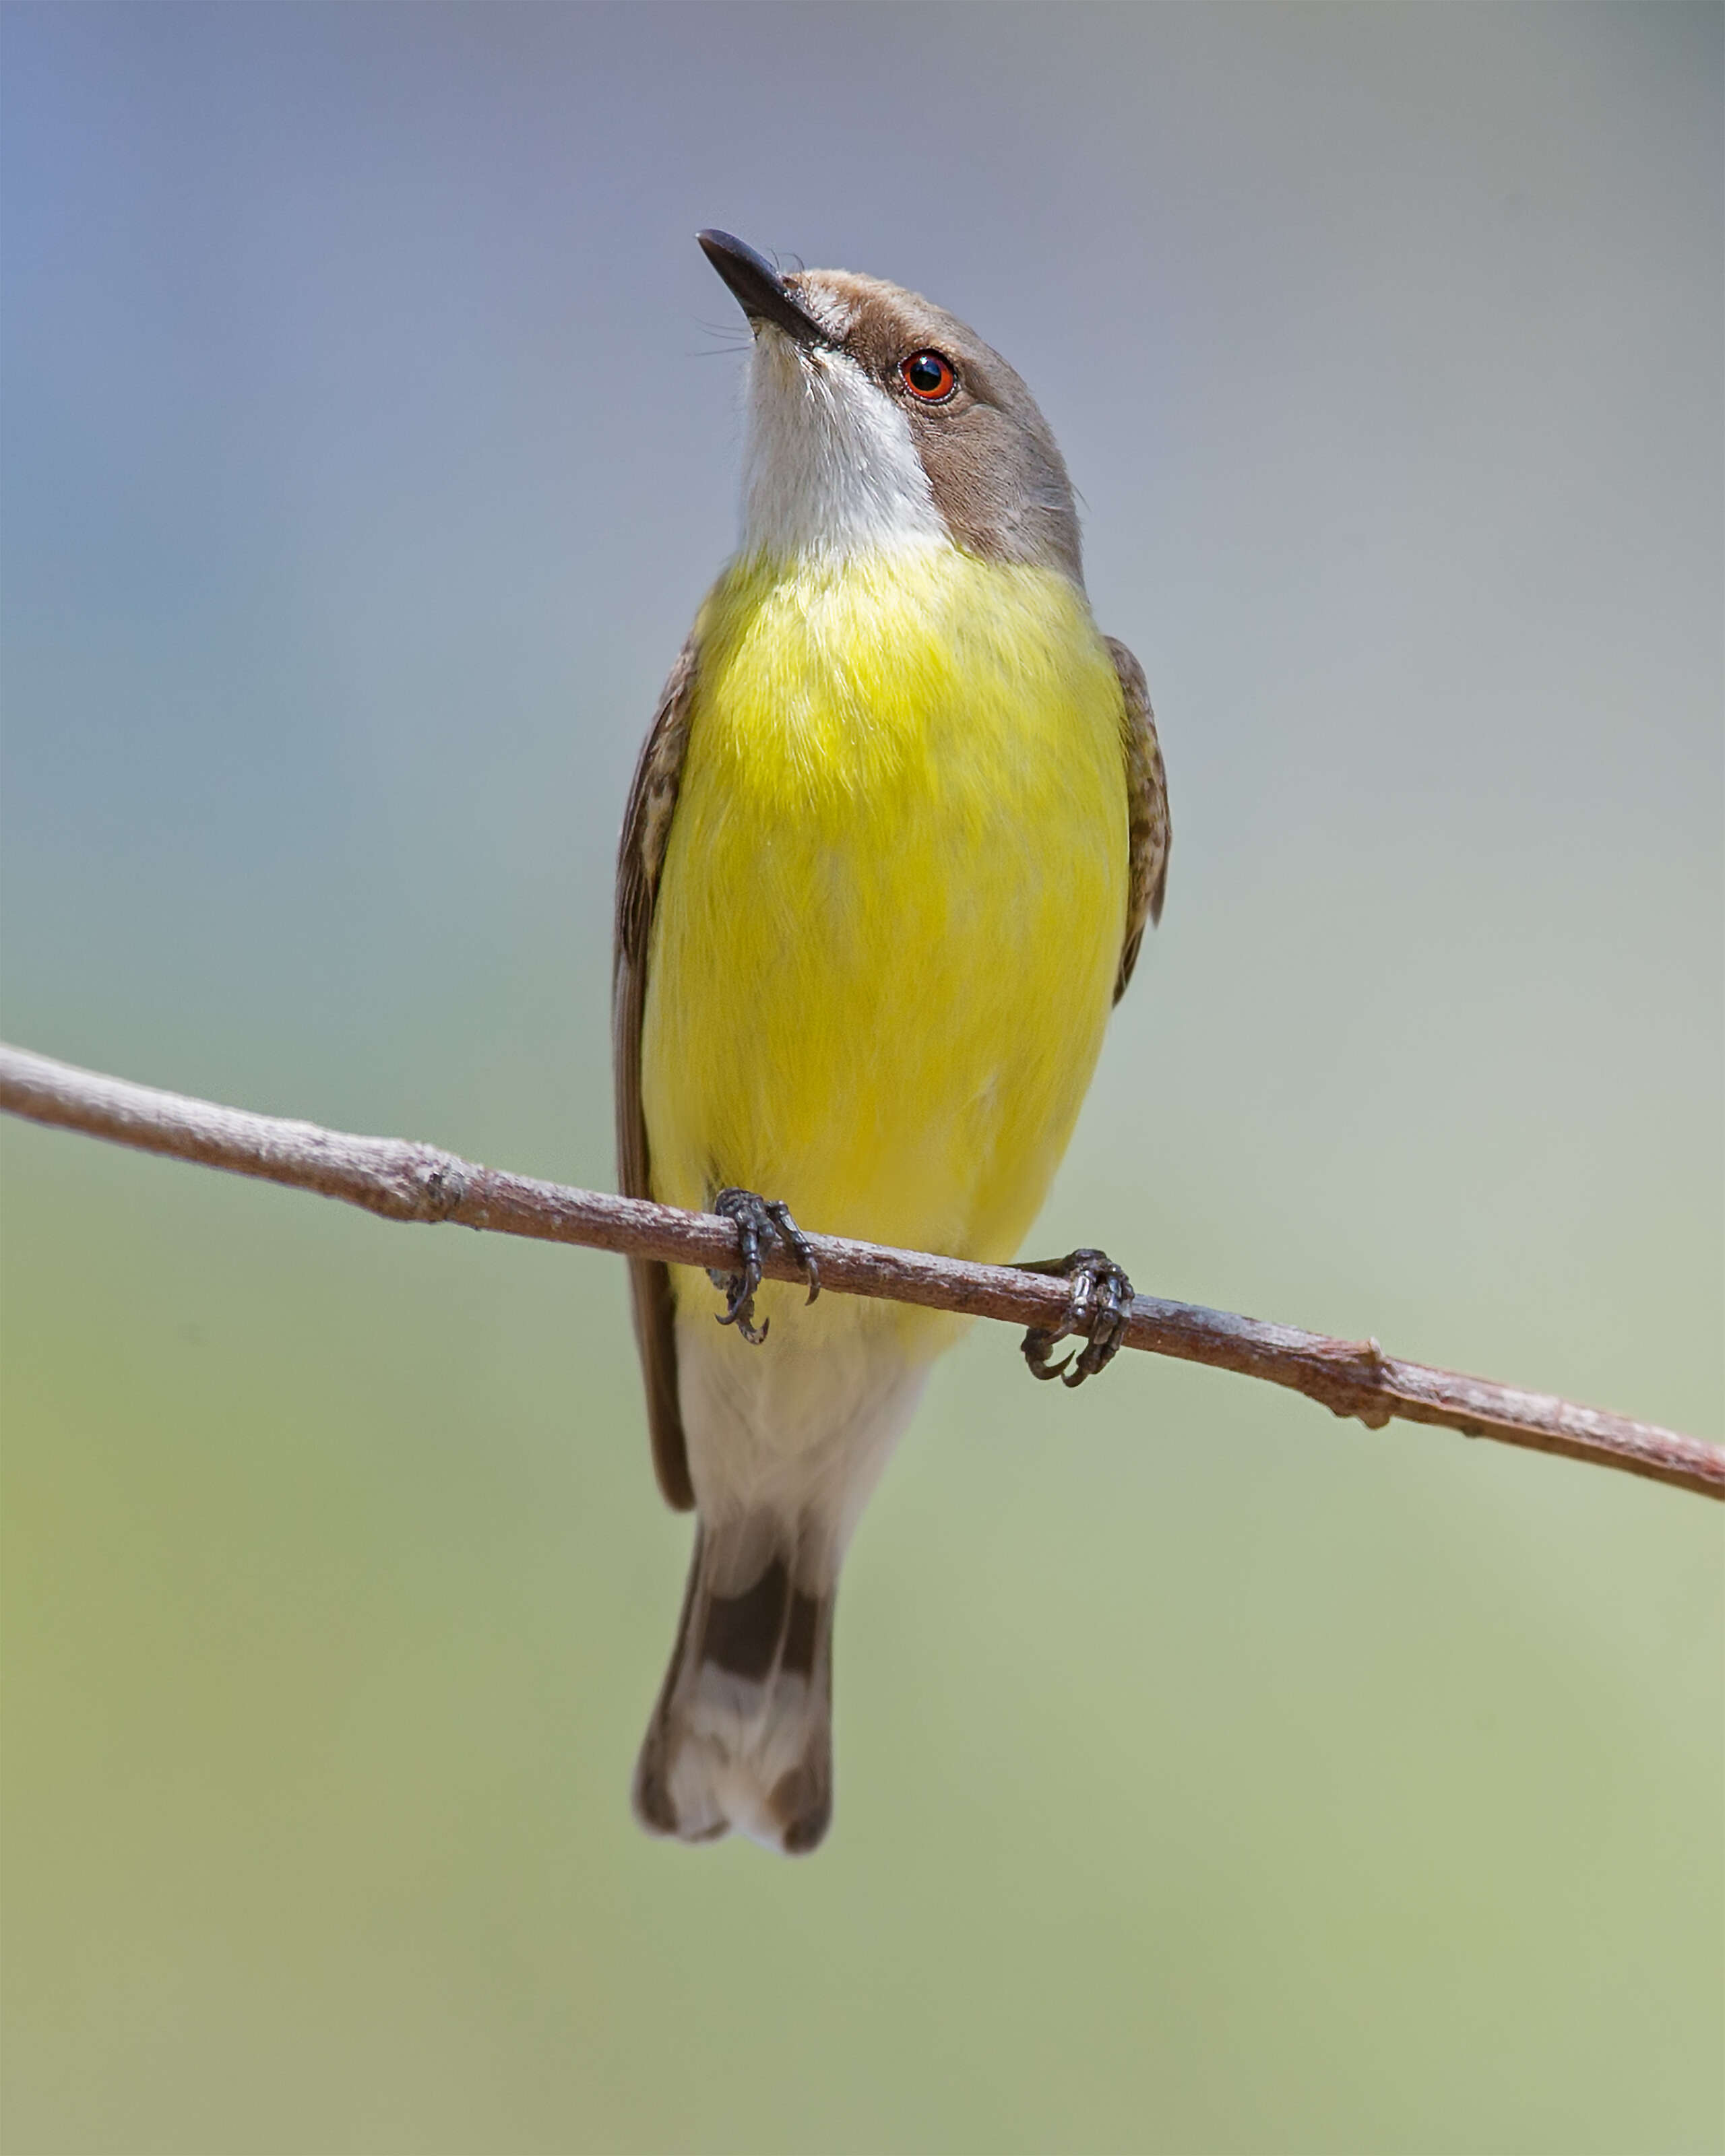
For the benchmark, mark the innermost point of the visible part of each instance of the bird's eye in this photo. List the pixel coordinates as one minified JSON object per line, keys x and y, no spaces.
{"x":929,"y":375}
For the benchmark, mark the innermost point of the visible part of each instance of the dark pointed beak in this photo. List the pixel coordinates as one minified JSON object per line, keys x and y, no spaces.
{"x":759,"y":290}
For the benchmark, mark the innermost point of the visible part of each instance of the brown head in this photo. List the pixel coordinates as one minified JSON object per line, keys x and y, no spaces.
{"x":878,"y":419}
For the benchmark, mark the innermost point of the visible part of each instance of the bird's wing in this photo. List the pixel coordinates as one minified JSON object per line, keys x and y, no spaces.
{"x":646,"y":827}
{"x":1146,"y":811}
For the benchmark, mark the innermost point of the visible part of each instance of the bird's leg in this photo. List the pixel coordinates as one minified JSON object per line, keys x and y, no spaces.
{"x":759,"y":1221}
{"x":1101,"y":1294}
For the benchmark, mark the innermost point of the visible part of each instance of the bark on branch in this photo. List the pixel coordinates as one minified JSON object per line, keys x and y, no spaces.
{"x":403,"y":1180}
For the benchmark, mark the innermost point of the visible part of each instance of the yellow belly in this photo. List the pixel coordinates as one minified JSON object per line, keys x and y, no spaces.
{"x":893,"y":900}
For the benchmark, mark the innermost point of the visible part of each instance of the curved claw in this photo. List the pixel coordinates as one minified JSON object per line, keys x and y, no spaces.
{"x":798,"y":1245}
{"x":1034,"y":1347}
{"x":1100,"y":1299}
{"x":740,"y":1307}
{"x":758,"y":1220}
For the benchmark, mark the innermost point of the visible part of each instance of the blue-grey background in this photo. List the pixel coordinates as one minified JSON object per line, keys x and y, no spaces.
{"x":1214,"y":1775}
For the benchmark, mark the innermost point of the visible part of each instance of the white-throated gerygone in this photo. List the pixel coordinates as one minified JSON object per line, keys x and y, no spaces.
{"x":893,"y":838}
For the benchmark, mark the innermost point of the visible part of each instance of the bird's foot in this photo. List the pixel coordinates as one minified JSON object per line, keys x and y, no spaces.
{"x":1102,"y":1297}
{"x":759,"y":1221}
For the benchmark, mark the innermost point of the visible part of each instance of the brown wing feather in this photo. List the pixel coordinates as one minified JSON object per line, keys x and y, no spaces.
{"x":1146,"y":811}
{"x":646,"y":825}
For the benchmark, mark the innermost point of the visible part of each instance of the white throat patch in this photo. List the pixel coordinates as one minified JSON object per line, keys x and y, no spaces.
{"x":830,"y":468}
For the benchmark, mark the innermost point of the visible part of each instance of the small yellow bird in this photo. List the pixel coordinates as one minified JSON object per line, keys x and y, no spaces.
{"x":892,"y":843}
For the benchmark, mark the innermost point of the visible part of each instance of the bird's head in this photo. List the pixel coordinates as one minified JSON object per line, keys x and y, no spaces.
{"x":878,"y":421}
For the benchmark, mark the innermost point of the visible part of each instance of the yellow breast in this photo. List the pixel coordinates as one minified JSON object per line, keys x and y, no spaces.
{"x":893,"y":898}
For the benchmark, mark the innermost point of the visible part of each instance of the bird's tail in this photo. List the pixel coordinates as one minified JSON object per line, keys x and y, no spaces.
{"x":742,"y":1735}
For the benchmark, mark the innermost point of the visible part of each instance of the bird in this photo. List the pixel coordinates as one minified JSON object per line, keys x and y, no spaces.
{"x":896,"y":834}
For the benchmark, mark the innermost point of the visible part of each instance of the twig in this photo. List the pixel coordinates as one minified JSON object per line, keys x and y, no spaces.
{"x":405,"y":1180}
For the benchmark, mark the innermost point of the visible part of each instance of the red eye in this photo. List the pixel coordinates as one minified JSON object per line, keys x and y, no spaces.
{"x":928,"y":375}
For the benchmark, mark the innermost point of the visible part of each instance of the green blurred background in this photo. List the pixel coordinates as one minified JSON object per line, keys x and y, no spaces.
{"x":1212,"y":1775}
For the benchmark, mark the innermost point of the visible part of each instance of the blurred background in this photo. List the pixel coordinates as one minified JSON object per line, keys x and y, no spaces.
{"x":1212,"y":1775}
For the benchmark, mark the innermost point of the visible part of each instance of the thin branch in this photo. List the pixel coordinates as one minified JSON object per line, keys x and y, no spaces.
{"x":402,"y":1180}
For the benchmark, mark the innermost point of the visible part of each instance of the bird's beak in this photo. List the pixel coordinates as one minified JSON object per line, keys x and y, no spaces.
{"x":759,"y":290}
